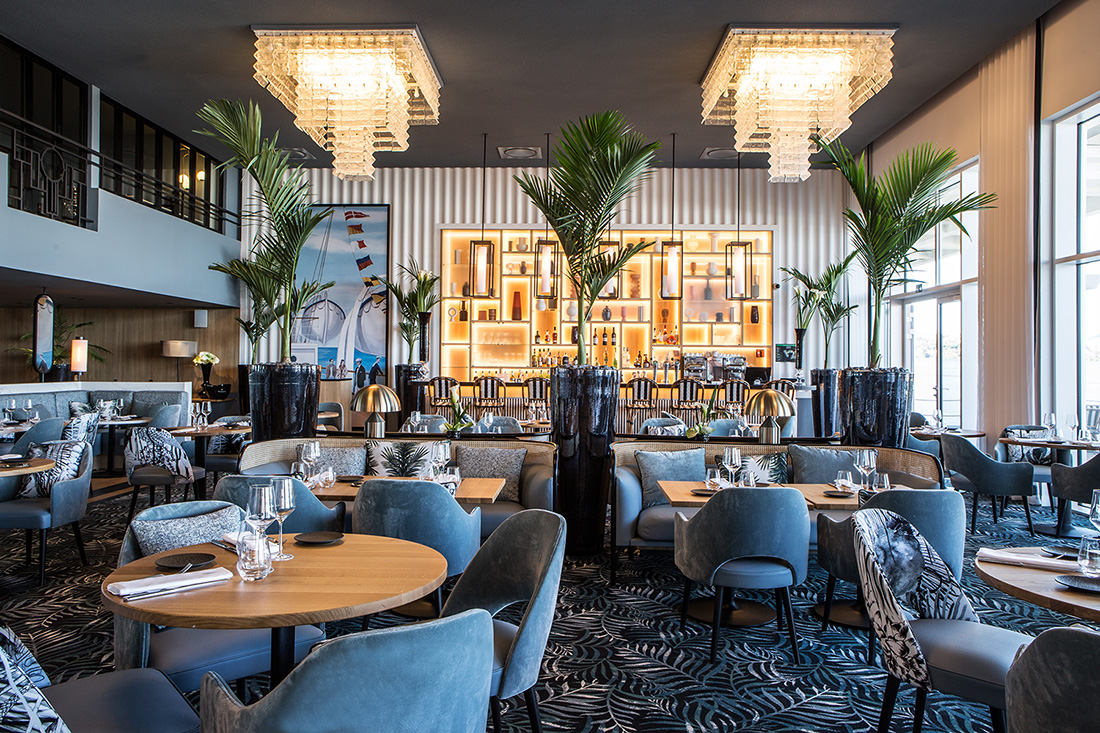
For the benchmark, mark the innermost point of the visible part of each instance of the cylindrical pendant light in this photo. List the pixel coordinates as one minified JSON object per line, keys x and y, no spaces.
{"x":78,"y":359}
{"x":738,"y":255}
{"x":672,"y":250}
{"x":547,"y":262}
{"x":483,"y":251}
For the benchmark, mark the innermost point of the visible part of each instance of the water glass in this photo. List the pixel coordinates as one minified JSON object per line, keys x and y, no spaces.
{"x":1094,"y":509}
{"x":253,"y":552}
{"x":748,"y":479}
{"x":843,"y":480}
{"x":28,"y":405}
{"x":325,"y":478}
{"x":1088,"y":557}
{"x":283,"y":488}
{"x":713,"y":476}
{"x":882,"y":482}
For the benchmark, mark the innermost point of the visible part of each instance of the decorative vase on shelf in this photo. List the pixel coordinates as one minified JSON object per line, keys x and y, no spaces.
{"x":606,"y":313}
{"x":206,"y":378}
{"x":799,"y":336}
{"x":517,"y":309}
{"x":571,"y":310}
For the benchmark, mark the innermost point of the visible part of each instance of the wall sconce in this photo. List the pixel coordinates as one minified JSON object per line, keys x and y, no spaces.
{"x":482,"y":269}
{"x":546,"y":269}
{"x":738,"y":270}
{"x":614,"y":285}
{"x":672,"y":271}
{"x":78,"y":358}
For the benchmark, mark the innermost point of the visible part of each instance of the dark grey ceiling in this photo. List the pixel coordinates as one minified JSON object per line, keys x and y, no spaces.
{"x":19,"y":288}
{"x":511,"y":68}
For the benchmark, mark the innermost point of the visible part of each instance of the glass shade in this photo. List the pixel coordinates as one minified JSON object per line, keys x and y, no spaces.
{"x":482,"y":269}
{"x":546,"y":269}
{"x":179,"y":349}
{"x":738,"y":270}
{"x":672,"y":270}
{"x":78,"y":359}
{"x":615,"y":285}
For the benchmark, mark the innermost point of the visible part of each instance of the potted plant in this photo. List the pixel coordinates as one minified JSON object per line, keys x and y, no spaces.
{"x":601,"y":161}
{"x":894,"y":211}
{"x":416,"y":293}
{"x":807,"y":301}
{"x":63,"y":334}
{"x":283,"y":396}
{"x":702,"y":429}
{"x":460,"y":419}
{"x":262,"y":294}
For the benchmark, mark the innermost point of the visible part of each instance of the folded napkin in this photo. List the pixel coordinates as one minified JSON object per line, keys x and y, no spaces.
{"x":232,"y":538}
{"x":1005,"y":557}
{"x":178,"y":581}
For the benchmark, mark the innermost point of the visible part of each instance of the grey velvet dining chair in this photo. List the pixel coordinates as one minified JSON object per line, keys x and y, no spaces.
{"x":934,"y":641}
{"x":428,"y":424}
{"x":1070,"y":484}
{"x":729,"y":426}
{"x":974,"y":471}
{"x":423,"y":512}
{"x":431,"y":676}
{"x":336,"y":422}
{"x":185,"y":654}
{"x":46,"y":431}
{"x":310,"y":513}
{"x":501,"y":424}
{"x":519,"y":562}
{"x":750,"y":538}
{"x":1053,"y":685}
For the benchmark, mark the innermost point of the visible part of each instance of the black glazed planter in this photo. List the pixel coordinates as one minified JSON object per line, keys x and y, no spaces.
{"x":826,"y":401}
{"x":410,"y":394}
{"x":875,"y":406}
{"x":58,"y":373}
{"x":425,"y":318}
{"x":583,"y":404}
{"x":283,"y":400}
{"x":242,"y":387}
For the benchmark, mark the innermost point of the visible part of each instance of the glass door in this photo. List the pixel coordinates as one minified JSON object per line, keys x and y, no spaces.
{"x":934,"y":353}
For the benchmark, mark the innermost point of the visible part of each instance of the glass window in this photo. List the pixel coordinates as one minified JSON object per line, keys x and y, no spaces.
{"x":945,"y":255}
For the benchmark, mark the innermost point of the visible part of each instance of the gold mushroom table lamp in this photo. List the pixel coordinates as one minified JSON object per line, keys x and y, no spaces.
{"x":765,"y":403}
{"x":375,"y":399}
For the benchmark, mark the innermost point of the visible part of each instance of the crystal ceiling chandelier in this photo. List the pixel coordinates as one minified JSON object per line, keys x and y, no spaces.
{"x":778,"y":87}
{"x":354,"y":91}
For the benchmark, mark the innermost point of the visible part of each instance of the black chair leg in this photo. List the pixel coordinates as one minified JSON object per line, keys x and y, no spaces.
{"x":791,"y":630}
{"x":79,"y":543}
{"x":993,"y":506}
{"x":719,"y":591}
{"x":1027,"y":513}
{"x":133,"y":505}
{"x":778,"y":610}
{"x":365,"y":625}
{"x":533,"y":710}
{"x":42,"y":556}
{"x":1058,"y":518}
{"x":30,"y":541}
{"x":830,"y":588}
{"x":684,"y":605}
{"x":437,"y":601}
{"x":974,"y":516}
{"x":918,"y":711}
{"x":889,"y":697}
{"x":997,"y":718}
{"x":614,"y":564}
{"x":494,"y":707}
{"x":870,"y":645}
{"x":152,"y":496}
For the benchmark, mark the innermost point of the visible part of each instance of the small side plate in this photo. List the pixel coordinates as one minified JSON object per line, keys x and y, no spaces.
{"x":181,"y":560}
{"x":1079,"y":582}
{"x":838,"y":494}
{"x":349,"y":478}
{"x":318,"y":538}
{"x":1061,"y":552}
{"x":704,"y":492}
{"x":12,"y":458}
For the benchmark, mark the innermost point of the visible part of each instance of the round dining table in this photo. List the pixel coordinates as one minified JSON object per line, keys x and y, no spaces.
{"x":358,"y":575}
{"x":1038,"y":586}
{"x":931,"y":434}
{"x":28,"y":466}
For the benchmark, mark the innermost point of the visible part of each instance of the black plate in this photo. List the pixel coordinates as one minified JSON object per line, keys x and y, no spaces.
{"x":349,"y":478}
{"x":1061,"y":552}
{"x":14,"y":459}
{"x":1079,"y":582}
{"x":704,"y":492}
{"x":181,"y":560}
{"x":318,"y":538}
{"x":838,"y":494}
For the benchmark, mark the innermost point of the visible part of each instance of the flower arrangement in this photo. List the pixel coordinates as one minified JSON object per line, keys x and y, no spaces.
{"x":459,"y":417}
{"x":206,"y":357}
{"x":412,"y":299}
{"x":702,"y":428}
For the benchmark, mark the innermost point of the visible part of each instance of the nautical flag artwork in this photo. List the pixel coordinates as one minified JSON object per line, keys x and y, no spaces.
{"x":364,"y":262}
{"x":355,"y":229}
{"x":361,"y":243}
{"x":355,"y":214}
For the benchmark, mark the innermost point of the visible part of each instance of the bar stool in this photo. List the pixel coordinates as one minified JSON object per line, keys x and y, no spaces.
{"x":488,"y":394}
{"x":733,"y":395}
{"x":538,"y":391}
{"x":785,"y":386}
{"x":687,"y":396}
{"x":643,"y":397}
{"x":439,"y":392}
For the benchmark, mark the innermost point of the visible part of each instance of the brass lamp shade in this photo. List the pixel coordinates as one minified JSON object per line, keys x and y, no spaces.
{"x":179,"y":349}
{"x":769,"y":402}
{"x":375,"y":399}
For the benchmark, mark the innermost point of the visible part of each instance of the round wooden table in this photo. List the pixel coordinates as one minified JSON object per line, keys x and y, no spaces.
{"x":33,"y":465}
{"x":923,"y":434}
{"x":358,"y":576}
{"x":1039,"y":587}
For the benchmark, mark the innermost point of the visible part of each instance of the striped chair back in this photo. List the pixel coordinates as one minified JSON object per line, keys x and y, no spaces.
{"x":642,"y":391}
{"x":785,"y":386}
{"x":489,"y":388}
{"x":439,"y":390}
{"x":538,"y":389}
{"x":687,"y":391}
{"x":735,"y":390}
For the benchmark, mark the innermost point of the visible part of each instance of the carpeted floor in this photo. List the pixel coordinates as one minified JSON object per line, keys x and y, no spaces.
{"x":617,"y":659}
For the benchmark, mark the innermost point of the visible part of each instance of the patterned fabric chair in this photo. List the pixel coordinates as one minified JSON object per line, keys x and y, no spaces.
{"x":81,"y":427}
{"x":687,"y":399}
{"x":733,"y":395}
{"x":1053,"y":683}
{"x":154,"y":458}
{"x":488,"y":394}
{"x":974,"y":471}
{"x":439,"y":392}
{"x":943,"y":646}
{"x":538,"y":390}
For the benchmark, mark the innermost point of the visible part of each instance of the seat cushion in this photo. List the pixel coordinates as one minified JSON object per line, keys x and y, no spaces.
{"x":138,"y":700}
{"x":504,"y":634}
{"x":754,"y":573}
{"x":671,"y":465}
{"x":657,"y":523}
{"x":219,"y":463}
{"x":185,"y":655}
{"x":968,"y":659}
{"x":25,"y":514}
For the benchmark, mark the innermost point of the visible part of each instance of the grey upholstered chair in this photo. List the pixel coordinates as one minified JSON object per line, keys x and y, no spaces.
{"x":945,"y":647}
{"x":931,"y":447}
{"x":43,"y":432}
{"x":432,"y":676}
{"x":154,"y":458}
{"x":336,"y":422}
{"x":501,"y":424}
{"x":974,"y":471}
{"x":66,"y":504}
{"x":726,"y":427}
{"x":917,"y":420}
{"x":309,"y":515}
{"x":221,"y":458}
{"x":940,"y":516}
{"x":1070,"y":484}
{"x":1041,"y":459}
{"x":422,"y":512}
{"x":754,"y":538}
{"x":1053,"y":684}
{"x":665,"y":423}
{"x":186,"y":654}
{"x":520,"y":562}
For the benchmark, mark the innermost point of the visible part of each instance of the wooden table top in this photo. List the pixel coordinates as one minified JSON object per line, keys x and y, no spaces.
{"x":360,"y":575}
{"x":1051,"y":444}
{"x":327,"y":415}
{"x":209,"y":431}
{"x":470,"y":491}
{"x":679,"y":494}
{"x":925,"y":434}
{"x":125,"y":421}
{"x":34,"y":465}
{"x":1039,"y":587}
{"x":19,"y":427}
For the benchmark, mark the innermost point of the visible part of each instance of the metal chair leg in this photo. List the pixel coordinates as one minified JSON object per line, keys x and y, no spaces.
{"x":830,"y":588}
{"x":974,"y":515}
{"x":918,"y":711}
{"x":133,"y":505}
{"x":494,"y":707}
{"x":993,"y":506}
{"x":533,"y":710}
{"x":684,"y":606}
{"x":79,"y":543}
{"x":719,"y":591}
{"x":42,"y":556}
{"x":870,"y":645}
{"x":1027,"y":513}
{"x":889,"y":697}
{"x":791,"y":630}
{"x":778,"y":610}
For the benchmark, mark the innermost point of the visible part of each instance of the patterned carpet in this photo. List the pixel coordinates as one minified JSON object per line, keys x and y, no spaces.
{"x":617,"y":660}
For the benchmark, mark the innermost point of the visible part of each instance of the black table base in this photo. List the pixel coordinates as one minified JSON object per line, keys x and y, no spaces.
{"x":282,"y":653}
{"x":734,"y":614}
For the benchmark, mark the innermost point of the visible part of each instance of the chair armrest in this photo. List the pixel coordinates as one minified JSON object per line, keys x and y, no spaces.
{"x":1005,"y":479}
{"x":69,"y":499}
{"x":220,"y":710}
{"x":1000,"y":452}
{"x":536,"y":487}
{"x":628,"y":505}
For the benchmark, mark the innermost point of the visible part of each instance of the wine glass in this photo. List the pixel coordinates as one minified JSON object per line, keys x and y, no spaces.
{"x":28,"y":406}
{"x":488,"y":422}
{"x":414,"y":421}
{"x":865,"y":464}
{"x":937,"y":419}
{"x":205,"y":413}
{"x":1050,"y":422}
{"x":283,"y":489}
{"x":1094,"y":509}
{"x":261,"y":506}
{"x":1073,"y":423}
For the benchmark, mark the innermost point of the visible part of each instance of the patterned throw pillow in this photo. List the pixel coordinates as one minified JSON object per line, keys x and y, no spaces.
{"x":65,"y":454}
{"x":17,"y":652}
{"x":399,"y":459}
{"x":223,"y":445}
{"x":156,"y":447}
{"x":76,"y":409}
{"x":158,"y":535}
{"x":82,"y":427}
{"x":23,"y":707}
{"x":1026,"y":454}
{"x":505,"y":463}
{"x":667,"y":430}
{"x":770,"y":468}
{"x":672,"y":465}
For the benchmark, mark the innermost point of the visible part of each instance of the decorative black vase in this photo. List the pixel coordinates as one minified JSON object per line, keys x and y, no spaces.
{"x":875,"y":406}
{"x":425,"y":333}
{"x":242,"y":387}
{"x":408,"y":384}
{"x":584,"y":400}
{"x":206,"y":378}
{"x":283,"y":398}
{"x":799,"y":337}
{"x":58,"y":373}
{"x":826,"y":401}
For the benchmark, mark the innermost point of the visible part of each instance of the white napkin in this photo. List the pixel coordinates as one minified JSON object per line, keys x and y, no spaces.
{"x":1004,"y":557}
{"x":232,"y":538}
{"x":178,"y":581}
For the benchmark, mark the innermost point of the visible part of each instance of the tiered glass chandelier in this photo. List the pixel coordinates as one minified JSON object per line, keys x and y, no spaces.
{"x":354,"y":91}
{"x":779,"y":87}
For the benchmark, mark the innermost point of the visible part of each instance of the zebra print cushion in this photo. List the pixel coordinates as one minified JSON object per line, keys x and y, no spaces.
{"x":23,"y":707}
{"x":156,"y":447}
{"x":17,"y":652}
{"x":226,"y":444}
{"x":76,"y":409}
{"x":82,"y":427}
{"x":65,"y":454}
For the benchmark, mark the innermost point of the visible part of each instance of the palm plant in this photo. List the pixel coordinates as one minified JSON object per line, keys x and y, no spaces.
{"x":419,"y":296}
{"x":284,"y":216}
{"x":895,"y":211}
{"x":830,"y":309}
{"x":404,"y":459}
{"x":601,"y":161}
{"x":459,"y":417}
{"x":63,"y":334}
{"x":806,"y":297}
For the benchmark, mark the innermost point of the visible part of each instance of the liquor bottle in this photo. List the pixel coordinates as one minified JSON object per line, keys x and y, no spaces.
{"x":645,"y":362}
{"x":603,"y":339}
{"x":605,"y":357}
{"x":464,"y":315}
{"x":638,"y":360}
{"x":573,"y":335}
{"x":595,"y":338}
{"x":664,"y":335}
{"x":546,"y":338}
{"x":537,"y":337}
{"x":675,"y":337}
{"x":615,"y":361}
{"x":554,"y":335}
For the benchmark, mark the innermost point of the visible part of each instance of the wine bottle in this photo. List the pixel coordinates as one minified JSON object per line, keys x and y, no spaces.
{"x":603,"y":339}
{"x":554,"y":336}
{"x":537,"y":336}
{"x":613,"y":337}
{"x":638,"y":360}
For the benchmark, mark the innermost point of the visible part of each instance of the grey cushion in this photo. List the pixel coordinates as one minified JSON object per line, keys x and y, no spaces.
{"x":809,"y":465}
{"x":25,"y":514}
{"x":158,"y":535}
{"x":676,"y":465}
{"x":968,"y":659}
{"x":275,"y":468}
{"x":657,"y":523}
{"x":909,"y":480}
{"x":148,"y":407}
{"x":345,"y":460}
{"x":130,"y":700}
{"x":754,"y":573}
{"x":505,"y":463}
{"x":493,"y":514}
{"x":504,"y":634}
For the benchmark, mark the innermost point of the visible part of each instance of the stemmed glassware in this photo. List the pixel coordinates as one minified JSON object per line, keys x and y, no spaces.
{"x":283,"y":490}
{"x":1094,"y":509}
{"x":311,"y":453}
{"x":1074,"y":423}
{"x":1050,"y":422}
{"x":865,"y":464}
{"x":488,"y":422}
{"x":937,"y":419}
{"x":261,"y":506}
{"x":730,"y":461}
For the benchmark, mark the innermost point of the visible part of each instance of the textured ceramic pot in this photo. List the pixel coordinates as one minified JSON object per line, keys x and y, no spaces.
{"x":826,"y":401}
{"x":408,"y":383}
{"x":425,"y":318}
{"x":242,"y":387}
{"x":284,"y":400}
{"x":875,"y":406}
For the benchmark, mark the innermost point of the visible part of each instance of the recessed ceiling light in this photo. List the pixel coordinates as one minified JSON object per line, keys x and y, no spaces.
{"x":520,"y":152}
{"x":718,"y":154}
